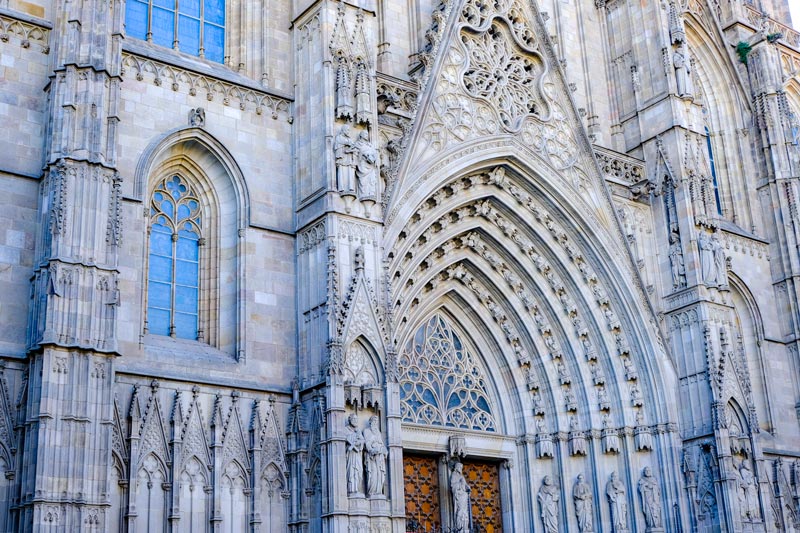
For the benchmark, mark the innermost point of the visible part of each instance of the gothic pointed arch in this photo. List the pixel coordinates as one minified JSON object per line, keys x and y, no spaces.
{"x":748,"y":346}
{"x":199,"y":142}
{"x":723,"y":102}
{"x":442,"y":382}
{"x":274,"y":466}
{"x":7,"y":438}
{"x":531,"y":191}
{"x":192,"y":164}
{"x":549,"y":267}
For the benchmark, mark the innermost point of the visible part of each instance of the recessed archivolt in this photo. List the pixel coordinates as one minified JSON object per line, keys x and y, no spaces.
{"x":444,"y":227}
{"x":537,"y":351}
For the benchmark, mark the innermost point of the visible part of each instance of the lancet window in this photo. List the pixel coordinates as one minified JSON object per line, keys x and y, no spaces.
{"x":176,"y":239}
{"x":196,"y":27}
{"x":441,"y":382}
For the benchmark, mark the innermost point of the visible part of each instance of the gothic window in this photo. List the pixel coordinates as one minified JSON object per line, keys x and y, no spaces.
{"x":441,"y":383}
{"x":710,"y":149}
{"x":196,"y":27}
{"x":176,"y":239}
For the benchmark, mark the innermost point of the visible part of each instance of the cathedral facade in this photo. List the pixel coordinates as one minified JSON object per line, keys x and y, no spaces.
{"x":380,"y":266}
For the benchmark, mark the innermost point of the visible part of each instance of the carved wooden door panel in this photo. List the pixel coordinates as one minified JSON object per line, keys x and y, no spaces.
{"x":421,"y":479}
{"x":484,"y":481}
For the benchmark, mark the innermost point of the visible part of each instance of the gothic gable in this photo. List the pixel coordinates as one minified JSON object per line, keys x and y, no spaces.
{"x":359,"y":314}
{"x":492,"y":78}
{"x":193,"y":436}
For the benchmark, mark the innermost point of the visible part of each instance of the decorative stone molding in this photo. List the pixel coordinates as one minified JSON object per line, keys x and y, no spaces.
{"x":770,"y":26}
{"x":182,"y":79}
{"x":396,"y":96}
{"x":619,"y":168}
{"x":26,"y":34}
{"x":312,"y":237}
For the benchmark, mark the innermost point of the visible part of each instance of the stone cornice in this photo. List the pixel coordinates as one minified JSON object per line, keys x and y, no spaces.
{"x":26,"y":30}
{"x":246,"y":95}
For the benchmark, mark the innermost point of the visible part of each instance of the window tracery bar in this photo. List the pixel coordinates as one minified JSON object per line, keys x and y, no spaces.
{"x":196,"y":27}
{"x":174,"y":260}
{"x":441,"y":383}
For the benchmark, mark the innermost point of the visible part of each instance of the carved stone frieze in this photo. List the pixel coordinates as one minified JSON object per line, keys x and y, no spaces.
{"x":179,"y":79}
{"x":24,"y":33}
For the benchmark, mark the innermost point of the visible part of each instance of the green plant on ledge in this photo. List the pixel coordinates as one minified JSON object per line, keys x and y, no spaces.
{"x":742,"y":50}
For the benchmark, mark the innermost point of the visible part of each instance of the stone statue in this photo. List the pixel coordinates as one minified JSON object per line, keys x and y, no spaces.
{"x":197,"y":117}
{"x":650,"y":493}
{"x":720,"y":262}
{"x":630,"y":371}
{"x":582,"y":496}
{"x":376,"y":458}
{"x":355,"y":457}
{"x":366,"y":167}
{"x":748,"y":499}
{"x":615,"y":492}
{"x":577,"y":440}
{"x":683,"y":72}
{"x":677,"y":265}
{"x":544,"y":444}
{"x":344,"y":95}
{"x":460,"y":492}
{"x":707,"y":263}
{"x":548,"y":502}
{"x":345,"y":151}
{"x":636,"y":395}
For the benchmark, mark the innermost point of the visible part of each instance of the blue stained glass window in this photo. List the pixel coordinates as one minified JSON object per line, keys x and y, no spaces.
{"x":173,"y":288}
{"x":195,"y":27}
{"x":713,"y":171}
{"x":136,"y":18}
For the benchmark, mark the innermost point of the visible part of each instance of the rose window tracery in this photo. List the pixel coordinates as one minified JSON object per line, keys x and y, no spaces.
{"x":441,"y":383}
{"x":502,"y":73}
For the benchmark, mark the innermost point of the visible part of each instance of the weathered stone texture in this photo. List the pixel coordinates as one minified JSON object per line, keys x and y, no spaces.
{"x":555,"y":242}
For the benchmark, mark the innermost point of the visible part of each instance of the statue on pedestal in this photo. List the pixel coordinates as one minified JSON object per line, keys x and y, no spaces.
{"x":651,"y":500}
{"x":460,"y":492}
{"x":355,"y":457}
{"x":582,"y":496}
{"x":615,"y":492}
{"x":376,"y":458}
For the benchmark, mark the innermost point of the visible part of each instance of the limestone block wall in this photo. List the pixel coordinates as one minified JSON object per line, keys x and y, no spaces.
{"x":24,"y":69}
{"x":18,"y":220}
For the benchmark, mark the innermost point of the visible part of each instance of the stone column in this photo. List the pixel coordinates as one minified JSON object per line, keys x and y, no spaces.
{"x":72,"y":329}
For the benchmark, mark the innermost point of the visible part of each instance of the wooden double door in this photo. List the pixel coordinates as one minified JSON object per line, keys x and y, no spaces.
{"x":428,"y":501}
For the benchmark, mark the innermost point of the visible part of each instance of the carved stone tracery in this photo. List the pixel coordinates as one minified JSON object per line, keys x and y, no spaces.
{"x":441,"y":382}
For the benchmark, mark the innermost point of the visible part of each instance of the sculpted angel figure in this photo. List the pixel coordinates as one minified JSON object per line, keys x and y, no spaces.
{"x":366,"y":167}
{"x":677,"y":265}
{"x":345,"y":152}
{"x":707,"y":262}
